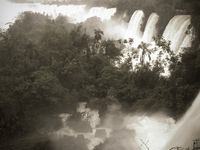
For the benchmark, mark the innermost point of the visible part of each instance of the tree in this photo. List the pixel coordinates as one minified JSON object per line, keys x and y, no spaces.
{"x":56,"y":44}
{"x":111,"y":50}
{"x":98,"y":35}
{"x":146,"y":52}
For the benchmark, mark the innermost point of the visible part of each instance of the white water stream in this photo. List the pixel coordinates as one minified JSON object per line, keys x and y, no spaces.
{"x":150,"y":29}
{"x":175,"y":31}
{"x":133,"y":30}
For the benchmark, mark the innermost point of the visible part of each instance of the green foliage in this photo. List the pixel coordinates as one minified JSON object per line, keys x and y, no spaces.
{"x":111,"y":50}
{"x":146,"y":52}
{"x":98,"y":34}
{"x":46,"y":86}
{"x":39,"y":143}
{"x":47,"y":66}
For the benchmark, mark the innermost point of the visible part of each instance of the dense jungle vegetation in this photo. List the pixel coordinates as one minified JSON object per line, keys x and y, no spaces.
{"x":48,"y":65}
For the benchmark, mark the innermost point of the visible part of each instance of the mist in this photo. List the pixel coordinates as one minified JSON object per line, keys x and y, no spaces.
{"x":75,"y":13}
{"x":136,"y":131}
{"x":116,"y":130}
{"x":91,"y":19}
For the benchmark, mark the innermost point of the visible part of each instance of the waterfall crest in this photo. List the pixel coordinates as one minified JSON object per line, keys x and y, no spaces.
{"x":175,"y":31}
{"x":150,"y":29}
{"x":135,"y":22}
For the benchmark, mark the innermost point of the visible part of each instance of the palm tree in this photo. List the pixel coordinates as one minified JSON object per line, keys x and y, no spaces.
{"x":146,"y":52}
{"x":97,"y":40}
{"x":98,"y":34}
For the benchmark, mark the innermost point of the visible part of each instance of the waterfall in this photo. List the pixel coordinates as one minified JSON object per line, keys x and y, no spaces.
{"x":187,"y":129}
{"x":158,"y":131}
{"x":175,"y":31}
{"x":75,"y":13}
{"x":153,"y":129}
{"x":135,"y":22}
{"x":101,"y":12}
{"x":150,"y":29}
{"x":187,"y":42}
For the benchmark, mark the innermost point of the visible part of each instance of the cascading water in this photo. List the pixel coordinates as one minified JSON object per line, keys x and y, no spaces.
{"x":137,"y":132}
{"x":91,"y":116}
{"x":101,"y":12}
{"x":135,"y":22}
{"x":150,"y":29}
{"x":187,"y":42}
{"x":76,"y":13}
{"x":187,"y":129}
{"x":175,"y":31}
{"x":133,"y":31}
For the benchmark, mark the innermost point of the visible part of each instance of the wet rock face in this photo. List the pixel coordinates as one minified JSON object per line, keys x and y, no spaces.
{"x":80,"y":126}
{"x":76,"y":123}
{"x":72,"y":143}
